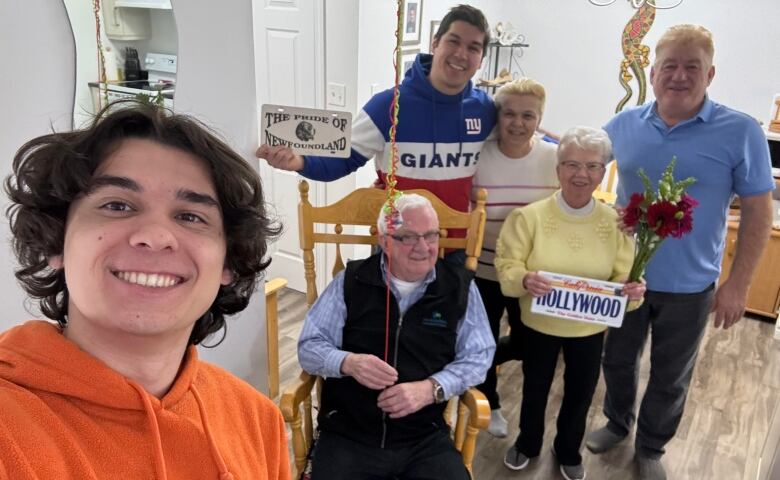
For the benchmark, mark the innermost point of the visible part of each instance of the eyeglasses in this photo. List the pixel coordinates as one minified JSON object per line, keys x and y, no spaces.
{"x":410,"y":239}
{"x":574,"y":167}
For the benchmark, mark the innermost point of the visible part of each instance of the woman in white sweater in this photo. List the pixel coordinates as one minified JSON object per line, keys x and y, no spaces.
{"x":517,"y":169}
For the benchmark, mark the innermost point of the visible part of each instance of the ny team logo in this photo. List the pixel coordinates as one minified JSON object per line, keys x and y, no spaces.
{"x":473,"y":126}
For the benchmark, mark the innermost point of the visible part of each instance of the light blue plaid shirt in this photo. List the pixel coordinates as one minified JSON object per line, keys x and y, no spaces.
{"x":319,"y":346}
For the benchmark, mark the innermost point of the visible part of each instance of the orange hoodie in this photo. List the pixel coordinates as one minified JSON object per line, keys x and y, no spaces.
{"x":65,"y":415}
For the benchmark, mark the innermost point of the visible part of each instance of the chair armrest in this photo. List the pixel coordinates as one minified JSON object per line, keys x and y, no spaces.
{"x":478,"y":407}
{"x":272,"y":288}
{"x":475,"y":404}
{"x":273,"y":285}
{"x":296,"y":395}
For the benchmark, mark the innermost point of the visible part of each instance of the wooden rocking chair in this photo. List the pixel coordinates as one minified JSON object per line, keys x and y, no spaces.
{"x":361,"y":208}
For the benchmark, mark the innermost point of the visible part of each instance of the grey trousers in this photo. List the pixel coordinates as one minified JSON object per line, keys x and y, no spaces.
{"x":676,"y":324}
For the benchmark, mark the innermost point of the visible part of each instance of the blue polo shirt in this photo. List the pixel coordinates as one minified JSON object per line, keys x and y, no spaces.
{"x":724,"y":150}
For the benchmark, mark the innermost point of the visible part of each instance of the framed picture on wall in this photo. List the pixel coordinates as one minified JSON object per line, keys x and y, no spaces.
{"x":434,"y":28}
{"x":412,"y":22}
{"x":407,"y":59}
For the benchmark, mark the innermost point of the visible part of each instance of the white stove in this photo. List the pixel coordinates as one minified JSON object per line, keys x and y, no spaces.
{"x":161,"y":81}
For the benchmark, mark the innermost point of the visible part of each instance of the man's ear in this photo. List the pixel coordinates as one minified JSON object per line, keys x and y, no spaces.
{"x":227,"y":277}
{"x":55,"y":262}
{"x":710,"y":74}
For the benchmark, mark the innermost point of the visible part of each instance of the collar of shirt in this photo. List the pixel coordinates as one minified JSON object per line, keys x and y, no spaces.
{"x":705,"y":113}
{"x":405,"y":302}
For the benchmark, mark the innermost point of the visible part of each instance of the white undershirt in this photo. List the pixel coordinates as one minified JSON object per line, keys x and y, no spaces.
{"x":577,"y":212}
{"x":403,"y":287}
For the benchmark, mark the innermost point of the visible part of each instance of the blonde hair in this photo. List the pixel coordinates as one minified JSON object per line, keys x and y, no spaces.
{"x":521,"y":86}
{"x":687,"y":34}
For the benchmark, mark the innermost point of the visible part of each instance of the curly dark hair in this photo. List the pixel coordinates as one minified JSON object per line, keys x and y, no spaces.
{"x":471,"y":15}
{"x":51,"y":171}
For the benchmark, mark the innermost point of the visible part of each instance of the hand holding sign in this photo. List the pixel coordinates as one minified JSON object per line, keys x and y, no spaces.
{"x":536,"y":285}
{"x":280,"y":157}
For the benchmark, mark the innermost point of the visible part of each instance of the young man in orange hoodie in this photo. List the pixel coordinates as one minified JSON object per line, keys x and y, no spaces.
{"x":137,"y":236}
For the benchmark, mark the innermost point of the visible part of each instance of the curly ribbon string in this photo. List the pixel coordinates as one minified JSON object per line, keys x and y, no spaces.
{"x":391,"y":213}
{"x":101,"y":57}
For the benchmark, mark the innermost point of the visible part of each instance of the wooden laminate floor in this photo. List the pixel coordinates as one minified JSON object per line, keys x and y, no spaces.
{"x":734,"y":391}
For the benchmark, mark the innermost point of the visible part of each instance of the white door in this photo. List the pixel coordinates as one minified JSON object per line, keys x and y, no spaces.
{"x":289,"y":67}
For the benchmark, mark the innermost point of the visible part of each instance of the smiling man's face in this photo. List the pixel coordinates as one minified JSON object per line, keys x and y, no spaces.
{"x":145,"y":247}
{"x":457,"y":55}
{"x":413,"y":262}
{"x":680,"y":77}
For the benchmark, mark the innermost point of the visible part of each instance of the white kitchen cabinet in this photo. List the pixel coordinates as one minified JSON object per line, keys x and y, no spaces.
{"x":125,"y":23}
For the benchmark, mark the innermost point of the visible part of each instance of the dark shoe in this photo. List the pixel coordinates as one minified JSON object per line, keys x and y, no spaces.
{"x":514,"y":460}
{"x":650,"y":468}
{"x":571,"y":472}
{"x":603,"y":439}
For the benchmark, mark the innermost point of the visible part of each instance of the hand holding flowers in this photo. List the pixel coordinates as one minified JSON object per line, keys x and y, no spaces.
{"x":656,"y":215}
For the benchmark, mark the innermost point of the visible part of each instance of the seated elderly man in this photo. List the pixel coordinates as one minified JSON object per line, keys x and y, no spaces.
{"x":381,"y":413}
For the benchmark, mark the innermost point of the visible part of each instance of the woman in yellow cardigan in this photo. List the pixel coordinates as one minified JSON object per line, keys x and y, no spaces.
{"x":569,"y":233}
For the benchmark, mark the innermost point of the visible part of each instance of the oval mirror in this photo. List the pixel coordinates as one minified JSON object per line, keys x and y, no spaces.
{"x":131,"y":54}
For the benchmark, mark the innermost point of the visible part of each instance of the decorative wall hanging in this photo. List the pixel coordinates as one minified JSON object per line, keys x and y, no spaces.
{"x":636,"y":56}
{"x":407,"y":59}
{"x":412,"y":22}
{"x":639,"y":3}
{"x":434,"y":28}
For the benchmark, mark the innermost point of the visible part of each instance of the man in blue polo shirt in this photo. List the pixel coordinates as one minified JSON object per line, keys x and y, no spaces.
{"x":727,"y":153}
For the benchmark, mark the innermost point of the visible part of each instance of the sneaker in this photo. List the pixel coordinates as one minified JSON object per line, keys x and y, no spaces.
{"x":571,"y":472}
{"x":498,"y":424}
{"x":514,"y":460}
{"x":650,"y":468}
{"x":603,"y":439}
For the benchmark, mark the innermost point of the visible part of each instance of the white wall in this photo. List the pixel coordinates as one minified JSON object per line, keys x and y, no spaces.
{"x":37,"y":74}
{"x":575,"y":52}
{"x":341,"y":49}
{"x":216,"y":83}
{"x":36,"y":42}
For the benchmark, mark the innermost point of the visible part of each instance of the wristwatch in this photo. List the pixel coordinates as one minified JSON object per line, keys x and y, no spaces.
{"x":438,"y":391}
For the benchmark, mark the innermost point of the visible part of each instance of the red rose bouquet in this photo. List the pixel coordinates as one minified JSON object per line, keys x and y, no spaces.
{"x":656,"y":215}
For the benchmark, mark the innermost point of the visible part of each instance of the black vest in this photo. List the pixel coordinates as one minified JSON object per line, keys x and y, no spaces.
{"x":420,"y":345}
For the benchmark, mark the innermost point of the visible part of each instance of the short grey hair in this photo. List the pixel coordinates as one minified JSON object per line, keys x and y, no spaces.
{"x":587,"y":138}
{"x":404,"y":202}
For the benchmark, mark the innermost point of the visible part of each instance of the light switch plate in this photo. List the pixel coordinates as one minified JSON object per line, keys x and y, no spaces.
{"x":337,"y":94}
